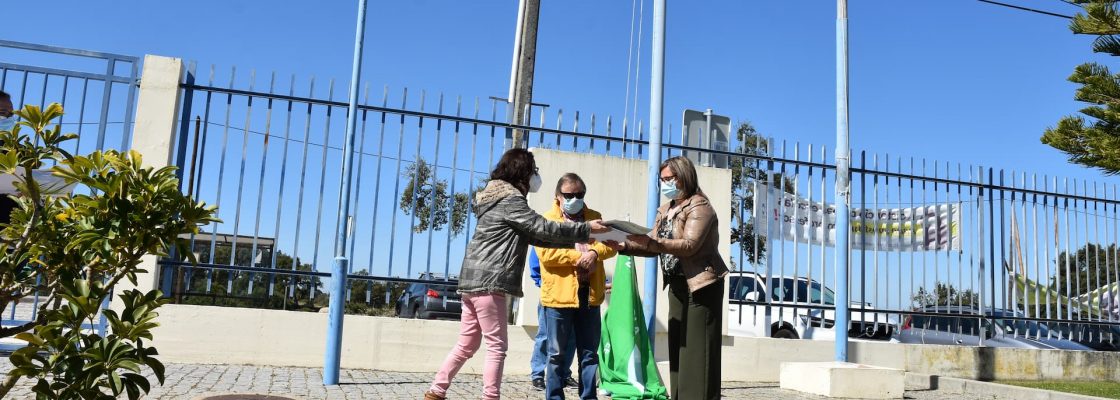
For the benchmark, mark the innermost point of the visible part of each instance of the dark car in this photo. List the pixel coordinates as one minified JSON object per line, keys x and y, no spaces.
{"x":963,"y":325}
{"x":431,"y":300}
{"x":1096,"y":337}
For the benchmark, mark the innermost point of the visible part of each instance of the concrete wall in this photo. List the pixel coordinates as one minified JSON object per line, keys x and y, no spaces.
{"x":157,"y":114}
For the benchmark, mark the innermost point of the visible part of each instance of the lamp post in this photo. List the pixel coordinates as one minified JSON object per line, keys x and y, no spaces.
{"x":340,"y":265}
{"x":843,"y":181}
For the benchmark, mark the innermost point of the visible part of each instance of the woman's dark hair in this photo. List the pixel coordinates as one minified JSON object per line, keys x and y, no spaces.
{"x":516,"y":167}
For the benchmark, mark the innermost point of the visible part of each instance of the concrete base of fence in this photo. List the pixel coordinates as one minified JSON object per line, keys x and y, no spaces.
{"x":837,"y":379}
{"x":980,"y":389}
{"x":226,"y":335}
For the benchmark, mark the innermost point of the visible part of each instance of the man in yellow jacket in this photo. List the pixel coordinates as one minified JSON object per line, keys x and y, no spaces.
{"x":573,"y":285}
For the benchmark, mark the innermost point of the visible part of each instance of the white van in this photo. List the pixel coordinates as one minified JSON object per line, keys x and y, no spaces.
{"x":796,"y":309}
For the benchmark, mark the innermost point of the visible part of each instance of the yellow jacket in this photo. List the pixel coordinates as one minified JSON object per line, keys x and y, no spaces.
{"x":559,"y":284}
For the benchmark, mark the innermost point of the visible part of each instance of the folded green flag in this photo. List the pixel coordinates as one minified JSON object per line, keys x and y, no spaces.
{"x":626,"y":365}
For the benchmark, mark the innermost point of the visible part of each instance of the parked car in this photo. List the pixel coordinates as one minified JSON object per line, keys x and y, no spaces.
{"x":1093,"y":336}
{"x":431,"y":300}
{"x":957,"y":325}
{"x":790,"y":316}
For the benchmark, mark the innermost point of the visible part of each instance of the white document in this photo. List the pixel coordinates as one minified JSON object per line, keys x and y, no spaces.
{"x":613,"y":234}
{"x":51,"y":185}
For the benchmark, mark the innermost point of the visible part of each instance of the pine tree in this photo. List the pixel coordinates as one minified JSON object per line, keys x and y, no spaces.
{"x":1093,"y":140}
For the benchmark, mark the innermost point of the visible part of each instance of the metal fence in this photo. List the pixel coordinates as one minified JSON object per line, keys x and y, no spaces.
{"x":953,"y":251}
{"x":269,"y":159}
{"x":941,"y":253}
{"x":98,"y":93}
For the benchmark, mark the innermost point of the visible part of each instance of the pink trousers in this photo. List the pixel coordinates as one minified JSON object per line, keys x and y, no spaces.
{"x":484,"y":315}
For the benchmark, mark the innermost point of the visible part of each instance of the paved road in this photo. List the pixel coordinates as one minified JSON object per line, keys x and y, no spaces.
{"x":196,"y":381}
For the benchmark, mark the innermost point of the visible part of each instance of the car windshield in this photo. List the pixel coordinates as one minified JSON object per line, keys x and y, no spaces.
{"x":801,"y":291}
{"x":1022,"y":327}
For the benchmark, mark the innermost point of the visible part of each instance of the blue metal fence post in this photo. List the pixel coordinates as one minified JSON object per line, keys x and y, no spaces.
{"x":653,"y":195}
{"x":340,"y":265}
{"x":843,"y":181}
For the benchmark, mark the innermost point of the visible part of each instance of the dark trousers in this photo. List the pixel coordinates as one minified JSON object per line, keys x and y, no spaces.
{"x":695,"y":321}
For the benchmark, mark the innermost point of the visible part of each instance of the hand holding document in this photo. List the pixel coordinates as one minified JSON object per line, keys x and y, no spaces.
{"x":619,"y":231}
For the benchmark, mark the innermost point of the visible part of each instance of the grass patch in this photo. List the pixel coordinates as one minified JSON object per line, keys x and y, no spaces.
{"x":1100,"y":389}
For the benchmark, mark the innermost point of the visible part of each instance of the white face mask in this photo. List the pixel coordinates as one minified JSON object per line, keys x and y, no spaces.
{"x":535,"y":183}
{"x":669,"y":189}
{"x":571,"y":206}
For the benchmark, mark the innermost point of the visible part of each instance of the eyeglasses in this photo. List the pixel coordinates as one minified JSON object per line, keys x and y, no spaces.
{"x":536,"y":171}
{"x":569,"y":196}
{"x":666,"y":179}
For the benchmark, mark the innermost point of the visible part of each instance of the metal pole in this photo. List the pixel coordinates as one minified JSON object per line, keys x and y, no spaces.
{"x":843,"y":162}
{"x":653,"y":195}
{"x":516,"y":50}
{"x":521,"y":78}
{"x":340,"y":265}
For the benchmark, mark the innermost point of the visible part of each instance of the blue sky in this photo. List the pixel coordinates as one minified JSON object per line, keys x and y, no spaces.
{"x":956,"y":81}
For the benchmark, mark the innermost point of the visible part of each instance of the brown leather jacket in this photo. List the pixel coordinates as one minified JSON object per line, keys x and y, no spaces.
{"x":695,"y":243}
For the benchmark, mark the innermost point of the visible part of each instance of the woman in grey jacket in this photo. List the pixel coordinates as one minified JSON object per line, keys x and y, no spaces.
{"x":494,"y":263}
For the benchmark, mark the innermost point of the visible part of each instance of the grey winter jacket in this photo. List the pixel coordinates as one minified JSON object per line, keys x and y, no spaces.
{"x":495,"y":257}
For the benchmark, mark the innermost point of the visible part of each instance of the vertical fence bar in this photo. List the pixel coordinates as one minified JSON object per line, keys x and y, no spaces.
{"x":435,"y":179}
{"x":377,"y":193}
{"x":356,"y":194}
{"x":241,"y":182}
{"x":781,"y":248}
{"x":260,"y":181}
{"x":811,"y":230}
{"x":983,"y":193}
{"x":280,"y":190}
{"x":1036,"y":247}
{"x":106,"y":92}
{"x":322,"y":186}
{"x":296,"y":264}
{"x":416,"y":182}
{"x":397,"y":186}
{"x":455,"y":174}
{"x":221,"y":175}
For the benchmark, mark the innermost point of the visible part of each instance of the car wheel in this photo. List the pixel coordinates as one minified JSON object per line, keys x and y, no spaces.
{"x":784,"y":333}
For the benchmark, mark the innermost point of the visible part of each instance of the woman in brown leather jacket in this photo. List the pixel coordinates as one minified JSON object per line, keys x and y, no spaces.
{"x":685,"y":239}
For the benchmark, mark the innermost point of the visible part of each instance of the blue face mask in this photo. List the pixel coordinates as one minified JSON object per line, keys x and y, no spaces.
{"x":572,"y":206}
{"x":7,"y":124}
{"x":669,"y":189}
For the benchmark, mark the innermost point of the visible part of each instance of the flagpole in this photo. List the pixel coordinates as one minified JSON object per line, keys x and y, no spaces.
{"x":843,"y":181}
{"x":653,"y":195}
{"x":340,"y":266}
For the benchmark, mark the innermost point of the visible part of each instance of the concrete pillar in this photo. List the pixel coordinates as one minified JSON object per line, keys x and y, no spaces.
{"x":157,"y":113}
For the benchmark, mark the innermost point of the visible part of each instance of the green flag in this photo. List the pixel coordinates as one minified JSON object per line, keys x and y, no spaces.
{"x":626,"y":365}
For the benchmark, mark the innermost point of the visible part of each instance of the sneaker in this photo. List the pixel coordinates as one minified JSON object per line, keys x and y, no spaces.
{"x":428,"y":395}
{"x":570,"y":382}
{"x":538,"y":383}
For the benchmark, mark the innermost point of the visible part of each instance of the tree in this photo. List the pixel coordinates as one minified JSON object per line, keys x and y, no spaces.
{"x":76,"y":248}
{"x":944,"y":294}
{"x":1090,"y":267}
{"x":1093,"y":142}
{"x":426,"y":196}
{"x":744,"y":176}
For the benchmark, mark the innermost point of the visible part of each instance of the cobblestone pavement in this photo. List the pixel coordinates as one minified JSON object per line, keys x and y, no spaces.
{"x":197,"y":381}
